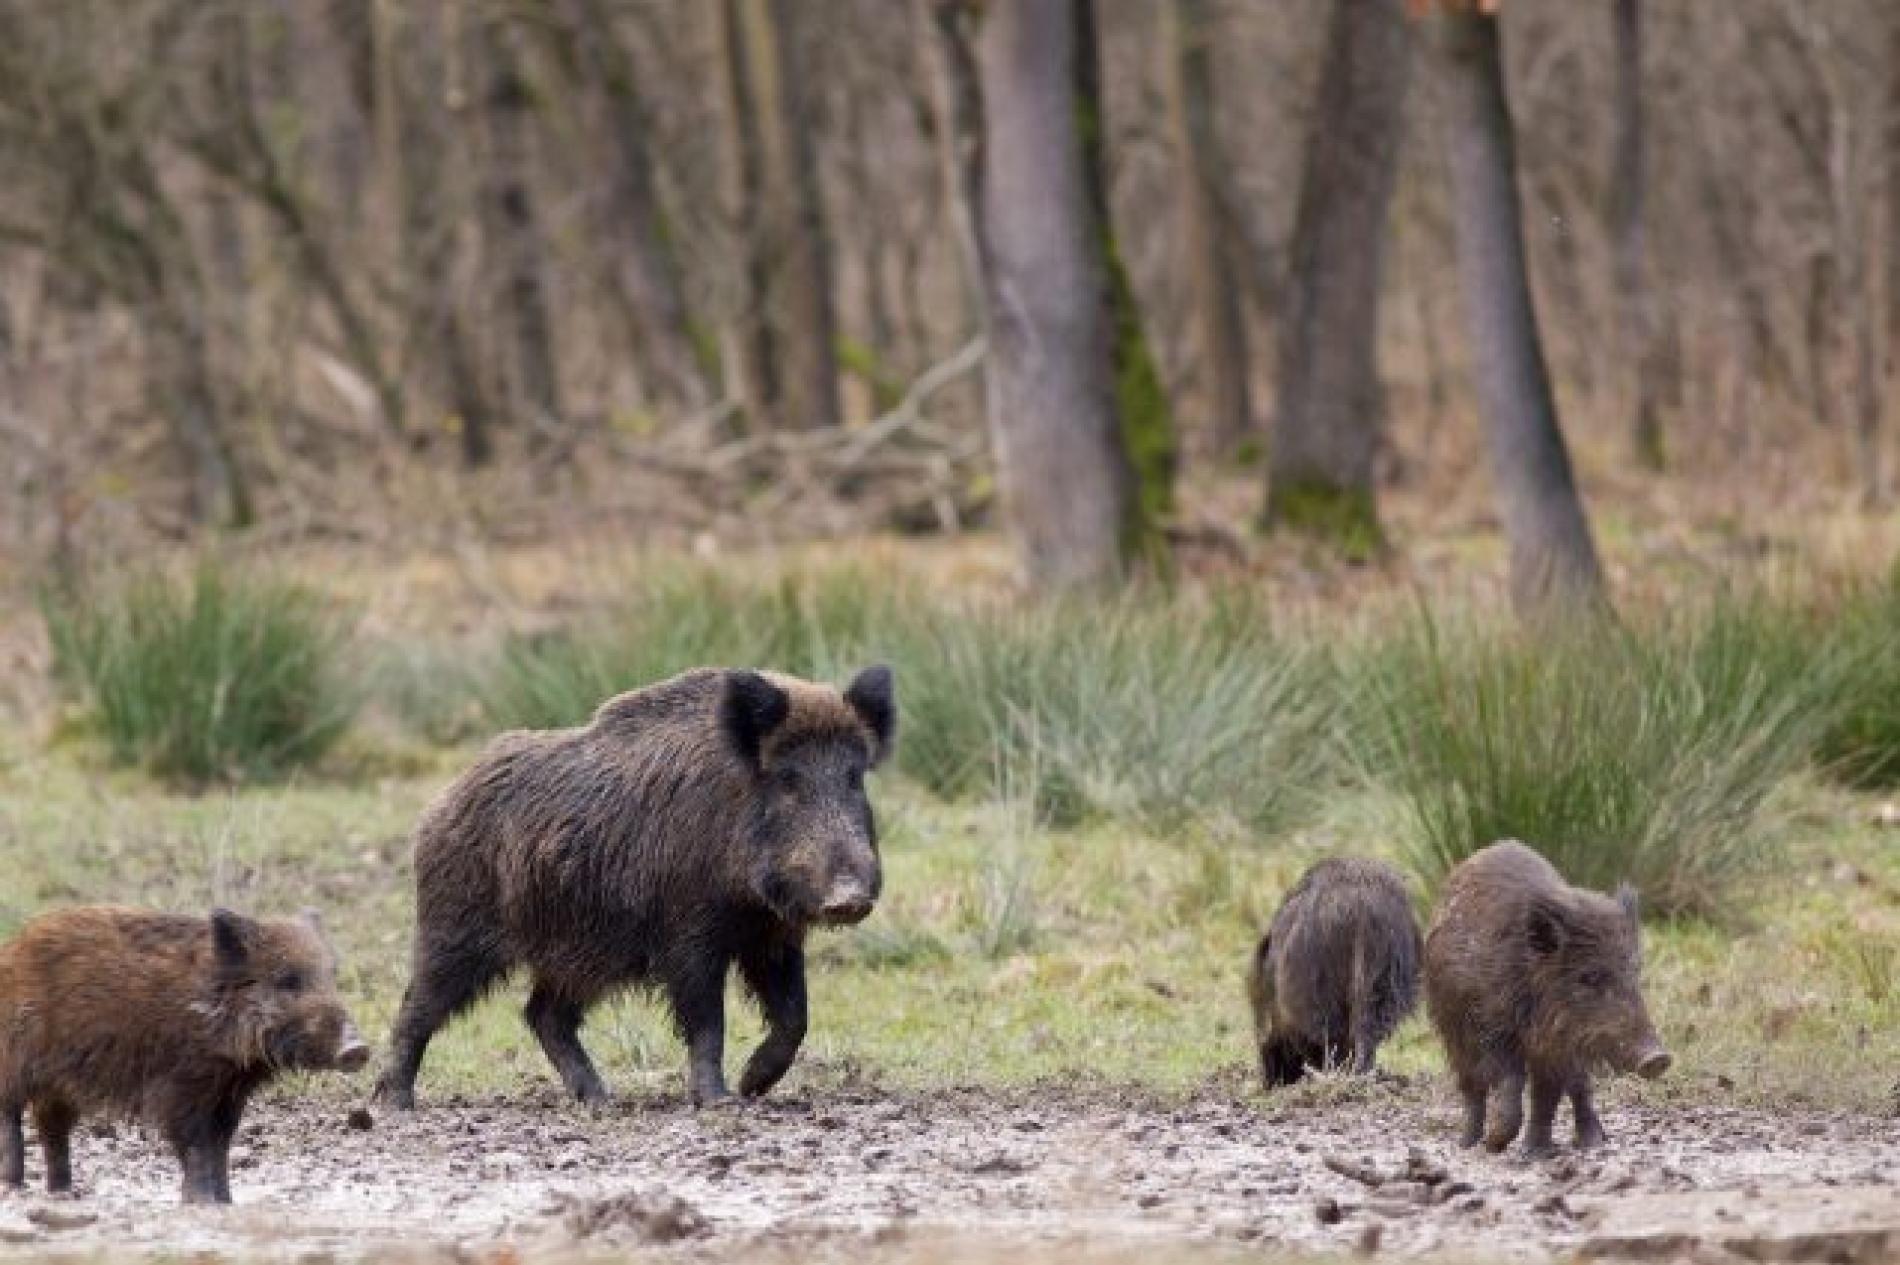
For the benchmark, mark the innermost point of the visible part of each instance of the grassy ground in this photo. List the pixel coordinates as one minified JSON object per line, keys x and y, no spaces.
{"x":1004,"y":952}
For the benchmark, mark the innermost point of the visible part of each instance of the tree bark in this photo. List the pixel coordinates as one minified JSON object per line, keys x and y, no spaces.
{"x":645,"y":266}
{"x":1067,"y":484}
{"x":1628,"y":237}
{"x":1220,"y":334}
{"x":947,"y":32}
{"x":1141,"y":403}
{"x":747,"y":346}
{"x":428,"y":205}
{"x":179,"y":368}
{"x":796,"y":253}
{"x":1553,"y":559}
{"x":525,"y":311}
{"x":1329,"y":414}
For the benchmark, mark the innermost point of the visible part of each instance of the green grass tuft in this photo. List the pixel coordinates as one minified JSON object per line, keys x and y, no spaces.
{"x":1861,"y":745}
{"x":1645,"y":754}
{"x":221,"y":676}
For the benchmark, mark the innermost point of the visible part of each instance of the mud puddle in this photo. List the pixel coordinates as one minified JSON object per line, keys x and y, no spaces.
{"x":975,"y":1175}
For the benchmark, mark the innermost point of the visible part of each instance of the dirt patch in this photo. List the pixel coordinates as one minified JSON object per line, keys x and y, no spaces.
{"x":1112,"y":1170}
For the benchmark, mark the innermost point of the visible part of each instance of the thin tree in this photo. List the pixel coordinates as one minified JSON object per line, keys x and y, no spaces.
{"x":1628,"y":236}
{"x":747,"y":346}
{"x":1329,"y":413}
{"x":795,"y":251}
{"x":1220,"y":334}
{"x":1553,"y":559}
{"x":513,"y":221}
{"x":1067,"y":484}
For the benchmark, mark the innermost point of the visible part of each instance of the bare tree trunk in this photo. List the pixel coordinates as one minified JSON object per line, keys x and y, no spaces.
{"x":1067,"y":483}
{"x":1639,"y":351}
{"x":797,"y":255}
{"x":1553,"y":559}
{"x":428,"y":205}
{"x":1219,"y":331}
{"x":525,"y":311}
{"x":1141,"y":403}
{"x":645,"y":266}
{"x":179,"y":367}
{"x":946,"y":28}
{"x":1330,"y":410}
{"x":748,"y":348}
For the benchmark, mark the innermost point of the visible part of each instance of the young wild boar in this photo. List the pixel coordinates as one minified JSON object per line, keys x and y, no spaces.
{"x":708,"y":820}
{"x":1530,"y":979}
{"x":172,"y":1019}
{"x":1337,"y":970}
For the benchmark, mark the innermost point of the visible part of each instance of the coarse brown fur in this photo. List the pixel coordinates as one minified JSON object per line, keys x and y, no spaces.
{"x":1336,"y":972}
{"x":707,"y":820}
{"x":1532,"y":981}
{"x":168,"y":1018}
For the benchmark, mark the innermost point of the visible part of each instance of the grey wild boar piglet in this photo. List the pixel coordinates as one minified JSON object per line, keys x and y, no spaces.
{"x":705,"y":821}
{"x":1337,"y":970}
{"x":168,"y":1018}
{"x":1532,"y":981}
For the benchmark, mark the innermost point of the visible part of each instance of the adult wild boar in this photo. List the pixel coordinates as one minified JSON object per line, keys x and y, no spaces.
{"x":173,"y":1019}
{"x":1530,"y":979}
{"x":707,"y":820}
{"x":1337,"y":970}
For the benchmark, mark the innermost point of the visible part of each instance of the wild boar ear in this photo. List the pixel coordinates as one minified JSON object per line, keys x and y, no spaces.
{"x":229,"y":933}
{"x":1626,"y":897}
{"x":873,"y":696}
{"x":1544,"y":928}
{"x":750,"y":708}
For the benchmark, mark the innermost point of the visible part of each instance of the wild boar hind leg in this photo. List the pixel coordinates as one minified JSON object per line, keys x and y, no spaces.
{"x":54,"y":1118}
{"x":12,"y":1146}
{"x":776,"y":976}
{"x":555,"y":1020}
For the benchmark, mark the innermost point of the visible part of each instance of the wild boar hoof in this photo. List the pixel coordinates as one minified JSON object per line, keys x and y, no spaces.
{"x":393,"y":1098}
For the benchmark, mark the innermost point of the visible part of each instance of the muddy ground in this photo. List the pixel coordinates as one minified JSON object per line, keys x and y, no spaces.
{"x":851,"y":1172}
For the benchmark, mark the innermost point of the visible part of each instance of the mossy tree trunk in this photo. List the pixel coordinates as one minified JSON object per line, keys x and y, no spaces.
{"x":1329,"y":413}
{"x":1067,"y":484}
{"x":1141,"y":402}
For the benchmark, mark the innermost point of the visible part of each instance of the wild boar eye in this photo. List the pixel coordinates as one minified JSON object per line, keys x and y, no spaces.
{"x":290,"y":982}
{"x":1595,"y":979}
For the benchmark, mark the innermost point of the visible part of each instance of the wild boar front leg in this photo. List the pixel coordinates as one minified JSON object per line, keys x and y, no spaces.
{"x":1546,"y":1092}
{"x":776,"y":976}
{"x":1472,"y":1089}
{"x":1507,"y":1115}
{"x":1583,"y":1106}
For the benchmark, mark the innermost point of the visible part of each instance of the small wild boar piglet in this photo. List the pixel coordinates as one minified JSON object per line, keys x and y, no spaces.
{"x":1337,"y":970}
{"x":1531,"y":980}
{"x":168,"y":1018}
{"x":708,"y":820}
